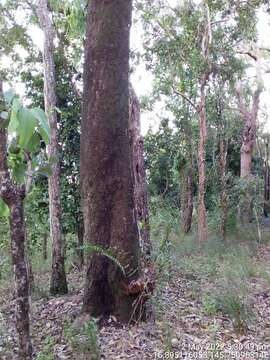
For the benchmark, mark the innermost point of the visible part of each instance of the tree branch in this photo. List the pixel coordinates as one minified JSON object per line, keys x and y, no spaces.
{"x":254,"y":57}
{"x":184,"y":96}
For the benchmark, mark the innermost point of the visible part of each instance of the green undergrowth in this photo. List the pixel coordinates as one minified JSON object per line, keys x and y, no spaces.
{"x":220,"y":272}
{"x":48,"y":350}
{"x":82,"y":336}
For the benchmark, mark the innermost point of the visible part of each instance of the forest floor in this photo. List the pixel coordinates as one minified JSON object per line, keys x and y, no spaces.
{"x":210,"y":304}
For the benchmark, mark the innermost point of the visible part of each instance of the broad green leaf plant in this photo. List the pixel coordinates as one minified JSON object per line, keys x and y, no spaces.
{"x":28,"y":133}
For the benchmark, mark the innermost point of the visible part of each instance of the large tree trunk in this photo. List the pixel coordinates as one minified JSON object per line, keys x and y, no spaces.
{"x":13,"y":196}
{"x":140,"y":184}
{"x":202,"y":219}
{"x":248,"y":143}
{"x":58,"y":278}
{"x":106,"y":169}
{"x":187,"y":204}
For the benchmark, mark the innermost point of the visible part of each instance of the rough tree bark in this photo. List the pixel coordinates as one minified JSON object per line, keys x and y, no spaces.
{"x":140,"y":185}
{"x":13,"y":196}
{"x":58,"y":283}
{"x":249,"y":130}
{"x":188,"y":191}
{"x":248,"y":143}
{"x":106,"y":170}
{"x":202,"y":219}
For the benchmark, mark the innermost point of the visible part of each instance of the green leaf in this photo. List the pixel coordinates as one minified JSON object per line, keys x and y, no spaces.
{"x":13,"y":122}
{"x":4,"y":210}
{"x":43,"y":123}
{"x":18,"y":172}
{"x":33,"y":144}
{"x":13,"y":147}
{"x":9,"y":96}
{"x":27,"y":124}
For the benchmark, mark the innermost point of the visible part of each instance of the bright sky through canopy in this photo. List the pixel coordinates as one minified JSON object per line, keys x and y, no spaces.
{"x":142,"y":80}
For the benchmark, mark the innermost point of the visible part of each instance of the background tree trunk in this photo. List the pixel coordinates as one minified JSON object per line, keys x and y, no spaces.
{"x":202,"y":220}
{"x":106,"y":169}
{"x":58,"y":278}
{"x":249,"y":138}
{"x":140,"y":184}
{"x":13,"y":196}
{"x":248,"y":143}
